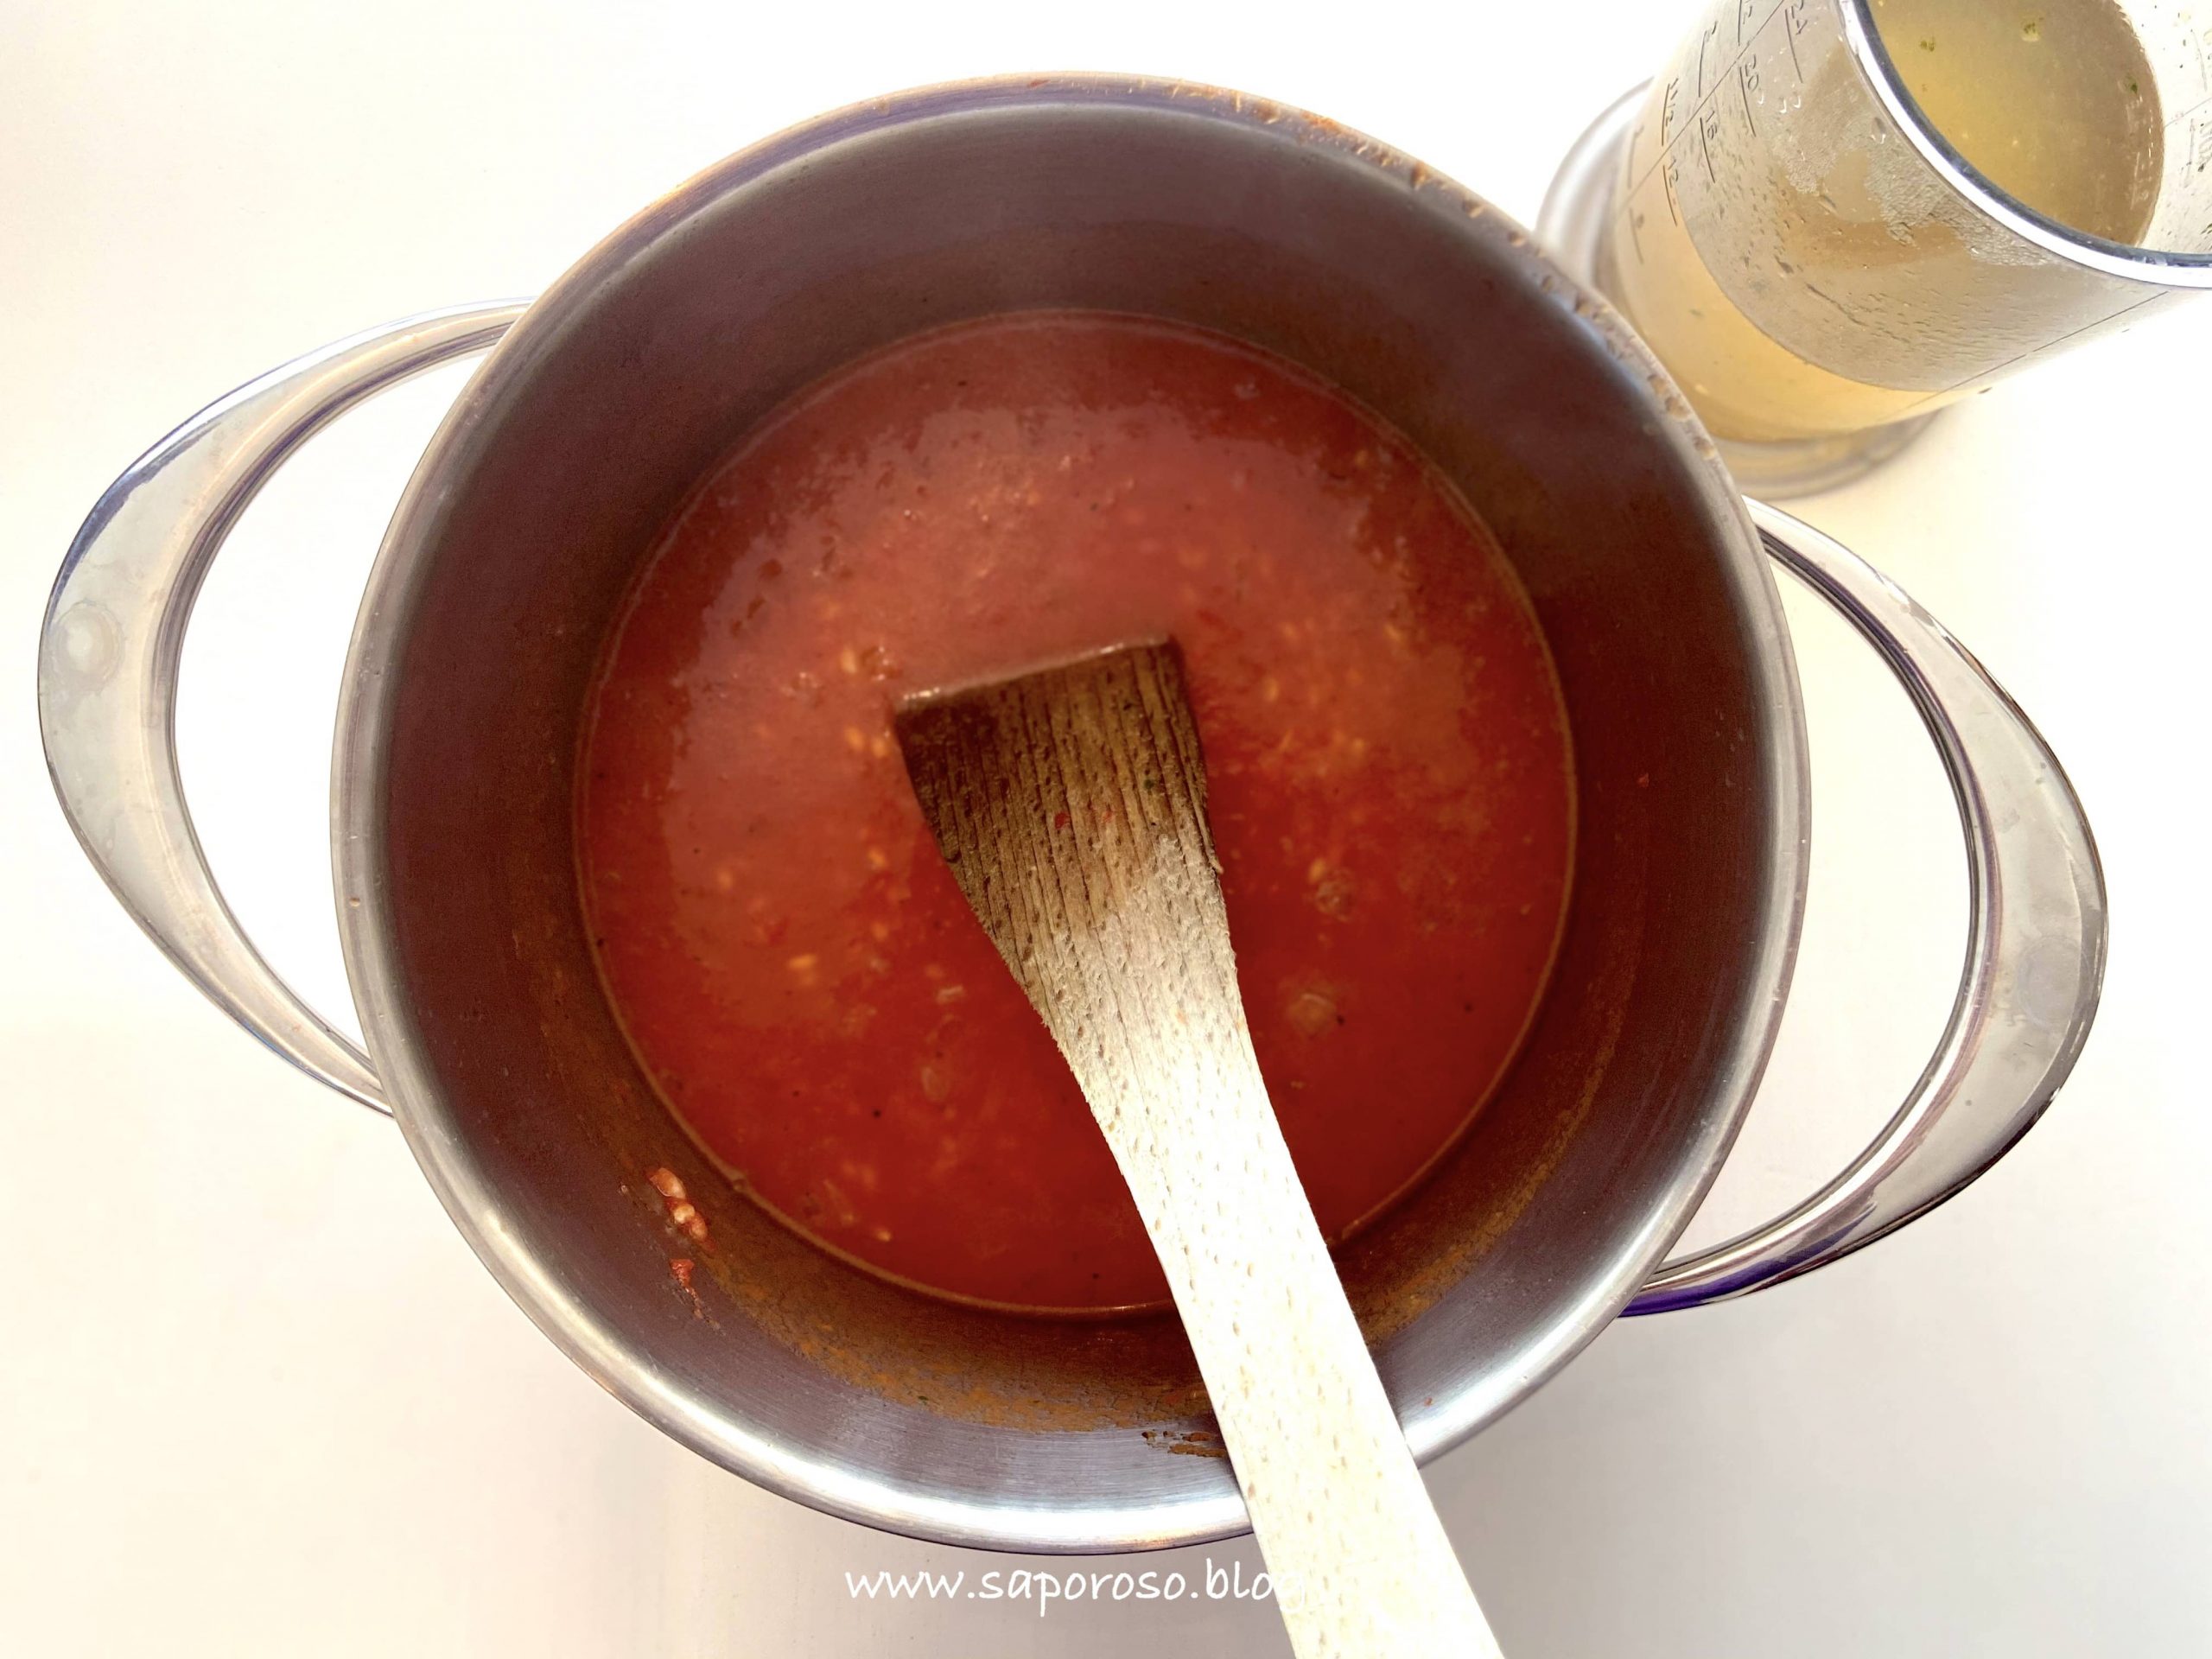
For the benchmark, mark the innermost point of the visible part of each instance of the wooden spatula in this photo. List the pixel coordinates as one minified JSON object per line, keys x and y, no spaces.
{"x":1071,"y":806}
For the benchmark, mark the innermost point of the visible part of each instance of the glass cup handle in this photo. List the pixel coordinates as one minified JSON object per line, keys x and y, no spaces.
{"x":113,"y":639}
{"x":2034,"y":949}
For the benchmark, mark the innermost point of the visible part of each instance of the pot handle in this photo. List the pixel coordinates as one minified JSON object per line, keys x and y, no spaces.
{"x":2034,"y":949}
{"x":114,"y":636}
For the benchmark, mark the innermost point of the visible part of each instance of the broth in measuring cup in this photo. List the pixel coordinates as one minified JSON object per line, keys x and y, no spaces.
{"x":1804,"y":272}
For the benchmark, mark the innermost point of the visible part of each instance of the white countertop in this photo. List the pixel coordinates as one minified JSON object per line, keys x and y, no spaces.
{"x":257,"y":1396}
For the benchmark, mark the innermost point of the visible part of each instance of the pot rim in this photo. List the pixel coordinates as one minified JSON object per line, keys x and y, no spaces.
{"x":883,"y":1500}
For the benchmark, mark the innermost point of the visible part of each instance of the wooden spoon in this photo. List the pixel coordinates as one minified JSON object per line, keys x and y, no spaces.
{"x":1071,"y":806}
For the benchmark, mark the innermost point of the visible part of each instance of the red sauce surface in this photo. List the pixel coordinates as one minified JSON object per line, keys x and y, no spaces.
{"x":1387,"y":757}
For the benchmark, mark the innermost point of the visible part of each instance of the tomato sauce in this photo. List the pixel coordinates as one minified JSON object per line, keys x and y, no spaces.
{"x":1387,"y":756}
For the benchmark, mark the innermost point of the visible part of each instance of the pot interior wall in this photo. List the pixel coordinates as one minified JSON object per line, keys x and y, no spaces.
{"x":629,"y":380}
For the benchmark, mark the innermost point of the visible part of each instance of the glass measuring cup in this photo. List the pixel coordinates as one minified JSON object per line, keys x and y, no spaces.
{"x":1822,"y":267}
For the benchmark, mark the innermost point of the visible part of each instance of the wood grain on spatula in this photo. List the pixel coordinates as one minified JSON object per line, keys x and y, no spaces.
{"x":1070,"y":805}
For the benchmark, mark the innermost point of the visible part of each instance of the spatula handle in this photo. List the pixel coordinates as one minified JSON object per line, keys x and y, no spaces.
{"x":1360,"y":1561}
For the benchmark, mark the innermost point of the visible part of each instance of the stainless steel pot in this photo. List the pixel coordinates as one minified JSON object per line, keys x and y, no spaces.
{"x":601,"y":402}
